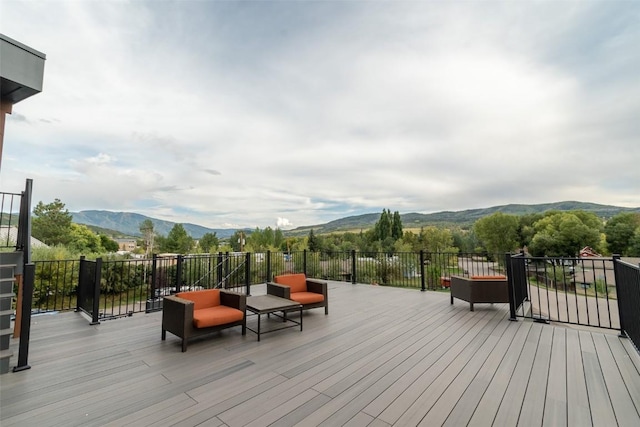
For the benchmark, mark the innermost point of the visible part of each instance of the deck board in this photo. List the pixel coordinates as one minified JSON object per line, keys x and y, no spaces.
{"x":382,"y":357}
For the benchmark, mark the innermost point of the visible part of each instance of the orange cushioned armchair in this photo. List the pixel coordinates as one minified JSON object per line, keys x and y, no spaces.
{"x":194,"y":313}
{"x":308,"y":292}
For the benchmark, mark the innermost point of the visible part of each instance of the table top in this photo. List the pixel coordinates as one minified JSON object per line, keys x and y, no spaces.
{"x":265,"y":303}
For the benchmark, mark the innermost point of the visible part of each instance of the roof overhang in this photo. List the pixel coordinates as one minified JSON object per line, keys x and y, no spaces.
{"x":21,"y":70}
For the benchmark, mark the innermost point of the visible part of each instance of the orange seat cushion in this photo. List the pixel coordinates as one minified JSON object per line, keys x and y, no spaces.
{"x":214,"y":316}
{"x":202,"y":299}
{"x":306,"y":297}
{"x":498,"y":277}
{"x":297,"y":282}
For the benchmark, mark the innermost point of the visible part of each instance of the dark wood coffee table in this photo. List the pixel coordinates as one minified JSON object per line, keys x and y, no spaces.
{"x":270,"y":304}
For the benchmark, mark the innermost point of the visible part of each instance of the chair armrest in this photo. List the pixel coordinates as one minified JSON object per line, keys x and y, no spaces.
{"x":278,"y":290}
{"x":233,"y":299}
{"x":177,"y":315}
{"x":317,"y":286}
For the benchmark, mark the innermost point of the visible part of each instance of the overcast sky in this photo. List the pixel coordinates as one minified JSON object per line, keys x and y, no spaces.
{"x":289,"y":113}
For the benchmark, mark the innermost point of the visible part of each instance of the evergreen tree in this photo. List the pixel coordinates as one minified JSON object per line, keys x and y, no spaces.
{"x":178,"y":241}
{"x":209,"y":242}
{"x":314,"y":242}
{"x":52,"y":223}
{"x":396,"y":226}
{"x":383,"y":226}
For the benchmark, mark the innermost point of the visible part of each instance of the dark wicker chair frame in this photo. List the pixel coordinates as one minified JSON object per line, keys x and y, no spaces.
{"x":177,"y":316}
{"x":313,"y":285}
{"x":480,"y":290}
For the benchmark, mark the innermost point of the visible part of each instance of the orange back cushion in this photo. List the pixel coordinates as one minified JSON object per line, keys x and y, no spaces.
{"x":297,"y":282}
{"x":202,"y":299}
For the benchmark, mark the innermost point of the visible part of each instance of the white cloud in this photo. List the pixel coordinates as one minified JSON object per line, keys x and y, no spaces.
{"x":283,"y":223}
{"x":221,"y":113}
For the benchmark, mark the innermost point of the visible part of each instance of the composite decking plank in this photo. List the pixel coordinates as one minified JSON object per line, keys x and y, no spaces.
{"x":294,"y":417}
{"x":455,"y":406}
{"x":623,"y":406}
{"x":578,"y":410}
{"x":627,"y":368}
{"x":403,"y":341}
{"x":406,"y":401}
{"x":487,"y":407}
{"x":432,"y":353}
{"x":83,"y":408}
{"x":555,"y":405}
{"x":513,"y":397}
{"x":387,"y":374}
{"x":154,"y":414}
{"x":467,"y":403}
{"x":602,"y":412}
{"x":360,"y":420}
{"x":453,"y":381}
{"x":352,"y":398}
{"x":204,"y":411}
{"x":367,"y":355}
{"x":282,"y":410}
{"x":72,"y":389}
{"x":532,"y":410}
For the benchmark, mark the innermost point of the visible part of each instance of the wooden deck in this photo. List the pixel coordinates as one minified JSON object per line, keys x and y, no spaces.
{"x":383,"y":356}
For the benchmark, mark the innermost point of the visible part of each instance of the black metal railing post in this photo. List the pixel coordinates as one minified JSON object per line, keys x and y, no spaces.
{"x":220,"y":273}
{"x":304,"y":262}
{"x":423,"y":282}
{"x":154,"y":276}
{"x":619,"y":295}
{"x":25,"y":320}
{"x":80,"y":292}
{"x":178,"y":281}
{"x":247,"y":274}
{"x":227,"y":270}
{"x":511,"y":287}
{"x":354,"y":267}
{"x":268,"y":278}
{"x":95,"y":312}
{"x":23,"y":239}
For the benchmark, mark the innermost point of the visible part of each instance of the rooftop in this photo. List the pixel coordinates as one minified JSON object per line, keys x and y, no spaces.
{"x":383,"y":356}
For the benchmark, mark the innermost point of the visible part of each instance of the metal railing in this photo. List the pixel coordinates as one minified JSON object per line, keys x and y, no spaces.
{"x":579,"y":291}
{"x":15,"y":221}
{"x":628,"y":280}
{"x":115,"y":288}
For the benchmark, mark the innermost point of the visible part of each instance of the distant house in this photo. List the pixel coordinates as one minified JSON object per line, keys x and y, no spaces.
{"x":588,"y":252}
{"x":126,"y":245}
{"x":9,"y":235}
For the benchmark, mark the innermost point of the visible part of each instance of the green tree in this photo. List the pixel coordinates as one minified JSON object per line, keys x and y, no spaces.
{"x":278,"y":240}
{"x":498,"y":232}
{"x":565,"y":233}
{"x":634,"y":243}
{"x":148,"y":234}
{"x":620,"y":231}
{"x":434,"y":239}
{"x":383,"y":226}
{"x":209,"y":242}
{"x":178,"y":241}
{"x":396,"y":226}
{"x":313,"y":242}
{"x":108,"y":243}
{"x":52,"y":223}
{"x":82,"y":240}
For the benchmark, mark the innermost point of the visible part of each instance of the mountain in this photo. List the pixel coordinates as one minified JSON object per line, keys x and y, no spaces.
{"x":128,"y":223}
{"x":459,"y":218}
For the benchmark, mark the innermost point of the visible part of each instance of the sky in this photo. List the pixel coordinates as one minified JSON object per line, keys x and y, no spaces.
{"x":282,"y":114}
